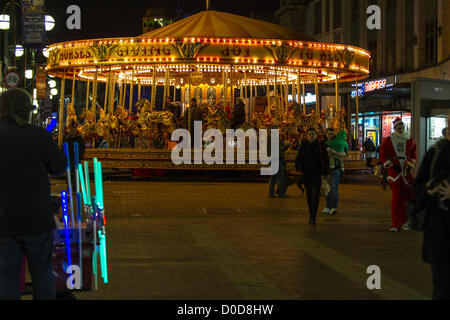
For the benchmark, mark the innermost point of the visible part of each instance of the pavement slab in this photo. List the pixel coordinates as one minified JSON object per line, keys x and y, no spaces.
{"x":228,"y":240}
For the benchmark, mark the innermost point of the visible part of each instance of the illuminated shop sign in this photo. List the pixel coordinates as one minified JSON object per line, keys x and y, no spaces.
{"x":371,"y":86}
{"x":374,"y":85}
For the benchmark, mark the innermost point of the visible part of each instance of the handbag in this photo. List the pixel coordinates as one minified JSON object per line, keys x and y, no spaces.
{"x":325,"y":187}
{"x":417,"y":216}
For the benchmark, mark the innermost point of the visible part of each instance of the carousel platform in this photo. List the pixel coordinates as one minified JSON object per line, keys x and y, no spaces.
{"x":161,"y":159}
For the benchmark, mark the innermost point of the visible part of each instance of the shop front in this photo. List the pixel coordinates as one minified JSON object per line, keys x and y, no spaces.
{"x":431,"y":109}
{"x":378,"y":125}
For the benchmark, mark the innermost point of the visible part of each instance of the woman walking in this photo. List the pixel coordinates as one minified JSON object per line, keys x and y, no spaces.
{"x":312,"y":161}
{"x":432,"y":191}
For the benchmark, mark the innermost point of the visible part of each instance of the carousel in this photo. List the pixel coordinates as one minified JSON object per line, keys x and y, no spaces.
{"x":220,"y":59}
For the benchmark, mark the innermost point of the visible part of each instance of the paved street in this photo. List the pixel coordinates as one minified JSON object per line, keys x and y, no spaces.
{"x":227,"y":240}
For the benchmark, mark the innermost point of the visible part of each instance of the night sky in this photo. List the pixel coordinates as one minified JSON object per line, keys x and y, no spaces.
{"x":102,"y":18}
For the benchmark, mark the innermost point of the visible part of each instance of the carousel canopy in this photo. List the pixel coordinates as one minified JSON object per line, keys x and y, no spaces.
{"x":213,"y":23}
{"x":213,"y":45}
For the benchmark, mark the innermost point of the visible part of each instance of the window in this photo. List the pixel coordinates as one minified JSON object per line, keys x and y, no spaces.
{"x":355,"y":28}
{"x":337,"y":14}
{"x":372,"y":46}
{"x":431,"y":33}
{"x":431,"y":42}
{"x":409,"y":35}
{"x":390,"y":51}
{"x":318,"y":17}
{"x":337,"y":37}
{"x":355,"y":10}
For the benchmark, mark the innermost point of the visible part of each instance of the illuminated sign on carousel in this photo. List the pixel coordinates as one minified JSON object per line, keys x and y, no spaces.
{"x":142,"y":51}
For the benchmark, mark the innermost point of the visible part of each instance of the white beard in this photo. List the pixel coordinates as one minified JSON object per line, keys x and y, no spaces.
{"x":401,"y":136}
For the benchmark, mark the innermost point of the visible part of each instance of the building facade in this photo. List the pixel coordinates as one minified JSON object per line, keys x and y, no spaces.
{"x":157,"y":16}
{"x":413,"y":44}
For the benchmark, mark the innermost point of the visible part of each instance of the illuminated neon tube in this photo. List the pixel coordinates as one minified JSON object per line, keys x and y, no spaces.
{"x":66,"y":225}
{"x":69,"y":181}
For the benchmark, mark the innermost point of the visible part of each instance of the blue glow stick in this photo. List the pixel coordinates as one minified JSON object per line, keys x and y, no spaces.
{"x":66,"y":225}
{"x":52,"y":125}
{"x":77,"y":181}
{"x":69,"y":181}
{"x":80,"y":246}
{"x":94,"y":256}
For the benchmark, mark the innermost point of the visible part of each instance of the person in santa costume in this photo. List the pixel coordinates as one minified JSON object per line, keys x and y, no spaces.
{"x":399,"y":156}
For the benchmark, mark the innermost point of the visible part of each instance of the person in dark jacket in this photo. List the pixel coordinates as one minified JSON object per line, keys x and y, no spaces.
{"x":238,"y":114}
{"x":312,"y":160}
{"x":28,"y":155}
{"x":280,"y":178}
{"x":196,"y":115}
{"x":369,"y":150}
{"x":432,"y":191}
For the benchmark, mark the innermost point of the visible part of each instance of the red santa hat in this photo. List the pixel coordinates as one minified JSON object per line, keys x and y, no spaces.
{"x":397,"y":122}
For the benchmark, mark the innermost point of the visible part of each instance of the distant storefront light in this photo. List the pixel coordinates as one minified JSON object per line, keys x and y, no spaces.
{"x":19,"y":51}
{"x":4,"y":22}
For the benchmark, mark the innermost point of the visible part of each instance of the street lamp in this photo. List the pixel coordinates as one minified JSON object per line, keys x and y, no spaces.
{"x":29,"y":74}
{"x":5,"y":22}
{"x":52,"y":84}
{"x":19,"y":51}
{"x":45,"y":52}
{"x":49,"y":23}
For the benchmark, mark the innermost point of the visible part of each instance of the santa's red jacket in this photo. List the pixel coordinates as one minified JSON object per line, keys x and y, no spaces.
{"x":403,"y":154}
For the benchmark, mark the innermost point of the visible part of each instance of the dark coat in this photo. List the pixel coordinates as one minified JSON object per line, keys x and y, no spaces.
{"x":27,"y":155}
{"x":238,"y":114}
{"x":196,"y":116}
{"x":369,"y":146}
{"x":436,"y":244}
{"x":312,"y":160}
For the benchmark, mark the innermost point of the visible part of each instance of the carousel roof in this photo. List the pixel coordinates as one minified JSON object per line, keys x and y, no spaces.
{"x":213,"y":23}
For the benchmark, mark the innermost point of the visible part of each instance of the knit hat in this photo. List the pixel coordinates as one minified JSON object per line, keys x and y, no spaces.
{"x":397,"y":122}
{"x":17,"y":104}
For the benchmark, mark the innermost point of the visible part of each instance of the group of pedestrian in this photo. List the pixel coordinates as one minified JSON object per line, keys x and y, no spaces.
{"x":317,"y":161}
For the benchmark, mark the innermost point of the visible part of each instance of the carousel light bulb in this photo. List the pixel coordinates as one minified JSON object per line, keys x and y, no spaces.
{"x":54,"y":92}
{"x":45,"y":52}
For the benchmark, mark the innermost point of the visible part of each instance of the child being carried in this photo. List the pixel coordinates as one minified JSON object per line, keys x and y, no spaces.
{"x":337,"y":150}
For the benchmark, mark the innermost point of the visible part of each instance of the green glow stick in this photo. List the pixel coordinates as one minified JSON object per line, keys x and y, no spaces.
{"x":103,"y":258}
{"x":100,"y":184}
{"x":88,"y":186}
{"x":82,"y":182}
